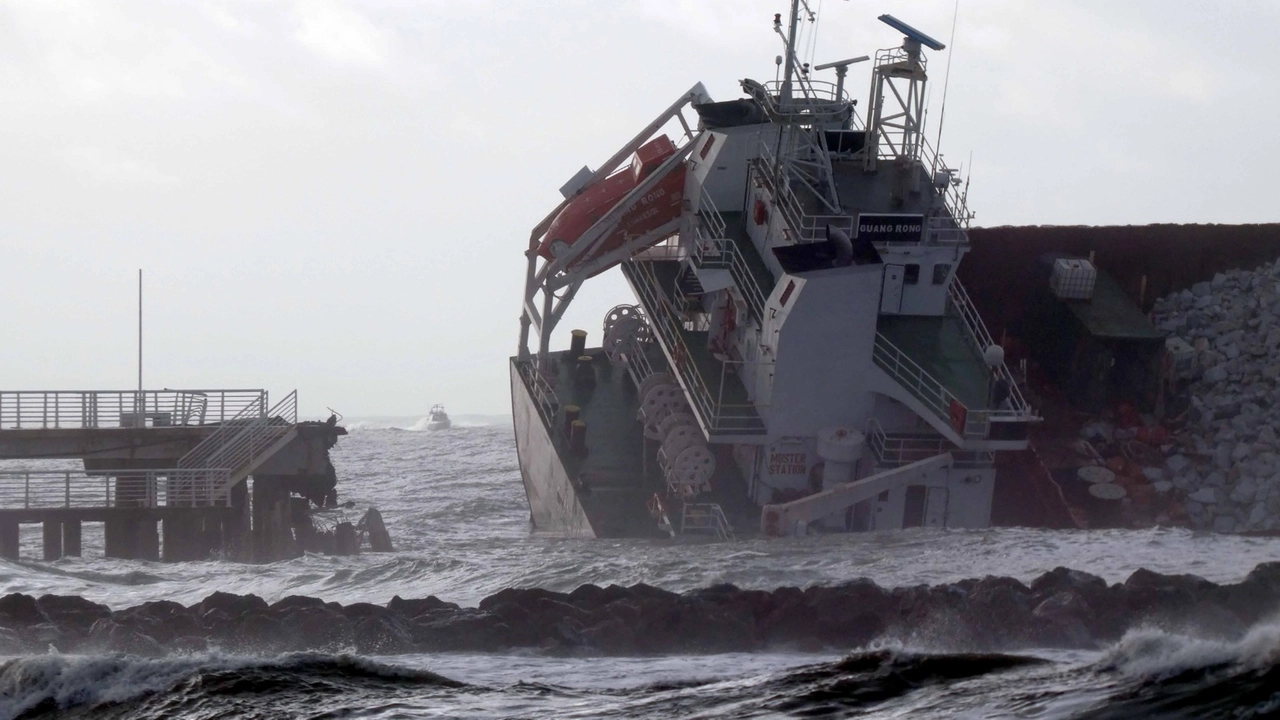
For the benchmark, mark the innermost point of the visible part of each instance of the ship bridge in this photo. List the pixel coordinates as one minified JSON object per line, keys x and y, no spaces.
{"x":807,"y":283}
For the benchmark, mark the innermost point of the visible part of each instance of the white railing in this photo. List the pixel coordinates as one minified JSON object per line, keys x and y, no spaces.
{"x":955,"y":199}
{"x":935,"y":396}
{"x":803,"y":227}
{"x":948,"y":230}
{"x":638,"y":365}
{"x":666,"y":327}
{"x":51,"y":489}
{"x":895,"y":450}
{"x":42,"y":409}
{"x":811,"y":100}
{"x":241,"y":443}
{"x":707,"y":519}
{"x":543,"y":394}
{"x":713,"y":249}
{"x":980,"y":340}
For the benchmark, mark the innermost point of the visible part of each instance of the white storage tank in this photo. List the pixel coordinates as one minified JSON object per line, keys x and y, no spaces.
{"x":1073,"y":279}
{"x":840,"y":448}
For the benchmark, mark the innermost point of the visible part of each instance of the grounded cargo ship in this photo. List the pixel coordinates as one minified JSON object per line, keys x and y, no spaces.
{"x":799,"y":356}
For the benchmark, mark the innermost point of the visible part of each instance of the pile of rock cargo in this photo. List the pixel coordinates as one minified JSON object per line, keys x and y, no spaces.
{"x":1223,"y":458}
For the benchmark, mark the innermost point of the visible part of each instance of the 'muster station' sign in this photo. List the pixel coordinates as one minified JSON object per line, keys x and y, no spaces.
{"x":890,"y":227}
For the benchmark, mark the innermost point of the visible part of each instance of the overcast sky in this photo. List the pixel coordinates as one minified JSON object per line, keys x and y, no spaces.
{"x":335,"y":196}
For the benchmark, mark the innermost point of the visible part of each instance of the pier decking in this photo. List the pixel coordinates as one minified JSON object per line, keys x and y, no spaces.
{"x":165,"y":471}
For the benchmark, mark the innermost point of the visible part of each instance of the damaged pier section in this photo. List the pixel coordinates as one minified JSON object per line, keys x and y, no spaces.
{"x":172,"y":475}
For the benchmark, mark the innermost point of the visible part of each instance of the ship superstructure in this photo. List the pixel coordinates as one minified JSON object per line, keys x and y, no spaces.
{"x":800,"y":355}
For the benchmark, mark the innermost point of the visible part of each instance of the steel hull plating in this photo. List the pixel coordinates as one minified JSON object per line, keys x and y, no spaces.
{"x":554,"y":508}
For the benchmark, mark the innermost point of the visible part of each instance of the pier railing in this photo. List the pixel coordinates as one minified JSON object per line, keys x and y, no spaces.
{"x":244,"y":442}
{"x":45,"y":409}
{"x":51,"y":489}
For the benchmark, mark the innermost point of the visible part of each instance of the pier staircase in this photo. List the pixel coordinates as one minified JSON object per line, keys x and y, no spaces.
{"x":243,"y":443}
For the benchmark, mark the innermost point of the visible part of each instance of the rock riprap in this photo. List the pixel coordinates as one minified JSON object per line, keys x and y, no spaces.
{"x":1061,"y":608}
{"x":1225,"y":463}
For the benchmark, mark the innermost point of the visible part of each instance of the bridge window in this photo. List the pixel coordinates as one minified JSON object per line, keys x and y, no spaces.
{"x":786,"y":293}
{"x":911,"y":276}
{"x":706,"y":147}
{"x":940,"y":273}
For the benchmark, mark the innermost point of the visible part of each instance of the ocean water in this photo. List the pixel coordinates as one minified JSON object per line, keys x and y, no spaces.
{"x":454,"y":506}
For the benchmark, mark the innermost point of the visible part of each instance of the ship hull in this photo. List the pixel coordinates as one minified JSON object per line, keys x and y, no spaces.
{"x":554,"y":506}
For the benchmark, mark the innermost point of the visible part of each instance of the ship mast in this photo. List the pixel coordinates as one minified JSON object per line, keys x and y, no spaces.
{"x":790,"y":66}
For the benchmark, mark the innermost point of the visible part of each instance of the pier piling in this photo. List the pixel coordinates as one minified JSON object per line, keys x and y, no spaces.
{"x":52,"y":540}
{"x":71,"y":538}
{"x":9,"y":540}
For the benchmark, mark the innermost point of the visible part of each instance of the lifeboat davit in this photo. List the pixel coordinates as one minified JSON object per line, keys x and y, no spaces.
{"x":658,"y":207}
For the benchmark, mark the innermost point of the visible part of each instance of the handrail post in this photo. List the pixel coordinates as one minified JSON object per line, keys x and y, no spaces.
{"x":26,"y":492}
{"x":67,"y":500}
{"x":724,"y":368}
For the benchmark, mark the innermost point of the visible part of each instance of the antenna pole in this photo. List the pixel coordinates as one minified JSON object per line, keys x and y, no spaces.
{"x":791,"y":44}
{"x":142,"y":398}
{"x":946,"y":82}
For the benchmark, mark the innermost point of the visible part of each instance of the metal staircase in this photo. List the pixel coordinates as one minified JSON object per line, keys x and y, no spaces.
{"x":241,"y":444}
{"x":712,"y":385}
{"x":713,"y":249}
{"x":705,"y":519}
{"x":961,"y":419}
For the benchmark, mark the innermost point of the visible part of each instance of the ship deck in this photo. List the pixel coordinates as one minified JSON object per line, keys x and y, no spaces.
{"x":613,"y":485}
{"x":618,"y":475}
{"x":880,"y":191}
{"x":939,"y":345}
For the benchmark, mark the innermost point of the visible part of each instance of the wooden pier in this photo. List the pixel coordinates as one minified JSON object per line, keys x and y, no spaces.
{"x":167,"y":472}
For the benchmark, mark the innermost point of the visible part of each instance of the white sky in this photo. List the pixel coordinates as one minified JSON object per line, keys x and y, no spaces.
{"x":335,"y":196}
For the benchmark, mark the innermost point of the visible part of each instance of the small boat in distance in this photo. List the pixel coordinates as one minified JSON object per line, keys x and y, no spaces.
{"x":438,"y":419}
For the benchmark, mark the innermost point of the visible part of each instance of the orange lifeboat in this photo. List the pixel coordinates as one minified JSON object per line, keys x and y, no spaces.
{"x":659,"y":206}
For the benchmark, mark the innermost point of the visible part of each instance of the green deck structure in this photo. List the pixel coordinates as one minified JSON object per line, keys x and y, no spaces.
{"x":1111,"y":314}
{"x":939,"y":345}
{"x":612,"y":484}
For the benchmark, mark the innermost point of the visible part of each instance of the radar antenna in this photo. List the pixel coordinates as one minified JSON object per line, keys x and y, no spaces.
{"x":911,"y":33}
{"x":895,"y":113}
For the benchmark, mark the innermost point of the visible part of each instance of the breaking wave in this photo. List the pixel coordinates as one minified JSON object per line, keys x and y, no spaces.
{"x":1149,"y":674}
{"x":191,"y":685}
{"x":1156,"y":674}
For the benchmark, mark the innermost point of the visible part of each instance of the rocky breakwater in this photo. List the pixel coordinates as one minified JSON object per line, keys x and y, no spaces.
{"x":1226,"y":460}
{"x":1062,"y":608}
